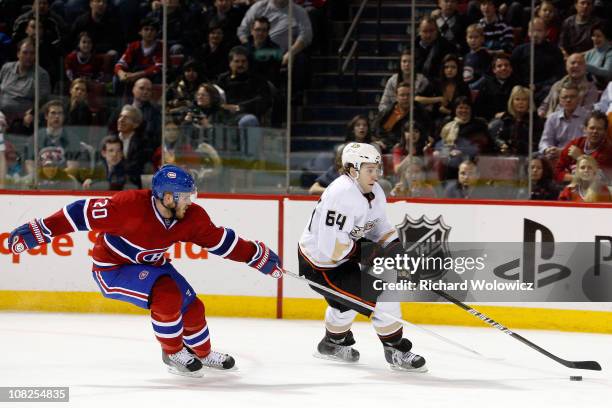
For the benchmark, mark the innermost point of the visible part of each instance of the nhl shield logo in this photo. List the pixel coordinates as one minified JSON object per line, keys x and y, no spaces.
{"x":427,"y":238}
{"x":143,"y":275}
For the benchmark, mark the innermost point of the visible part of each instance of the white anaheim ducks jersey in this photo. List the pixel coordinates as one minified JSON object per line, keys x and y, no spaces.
{"x":342,"y":216}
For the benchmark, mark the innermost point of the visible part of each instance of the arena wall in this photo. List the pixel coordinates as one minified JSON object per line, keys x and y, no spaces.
{"x":58,"y":278}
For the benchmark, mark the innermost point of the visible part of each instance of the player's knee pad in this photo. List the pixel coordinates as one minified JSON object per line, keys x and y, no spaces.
{"x":165,"y":296}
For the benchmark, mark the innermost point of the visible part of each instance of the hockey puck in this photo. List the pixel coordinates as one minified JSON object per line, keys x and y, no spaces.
{"x":576,"y":378}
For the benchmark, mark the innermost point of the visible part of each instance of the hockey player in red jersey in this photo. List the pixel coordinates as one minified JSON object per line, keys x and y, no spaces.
{"x":136,"y":228}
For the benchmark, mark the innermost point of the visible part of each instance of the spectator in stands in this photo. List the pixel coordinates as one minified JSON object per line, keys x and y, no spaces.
{"x":203,"y":163}
{"x":141,"y":59}
{"x":563,"y":125}
{"x":595,"y":143}
{"x":49,"y":54}
{"x":430,"y":49}
{"x":463,"y":137}
{"x":136,"y":150}
{"x":358,"y":130}
{"x":550,"y":15}
{"x":103,"y":27}
{"x":55,"y":135}
{"x":206,"y":110}
{"x":543,"y":185}
{"x":389,"y":124}
{"x":575,"y":66}
{"x":76,"y":109}
{"x":576,"y":30}
{"x":318,"y":16}
{"x":599,"y":58}
{"x":150,"y":125}
{"x":466,"y":185}
{"x":499,"y":38}
{"x":227,"y":15}
{"x":181,"y":93}
{"x":511,"y":131}
{"x":451,"y":24}
{"x":176,"y":148}
{"x":82,"y":62}
{"x":213,"y":54}
{"x":446,"y":88}
{"x":52,"y":172}
{"x":494,"y":91}
{"x":412,"y":180}
{"x":548,"y":61}
{"x":55,"y":28}
{"x":265,"y":56}
{"x":247,"y":96}
{"x":17,"y":82}
{"x":176,"y":24}
{"x":403,"y":75}
{"x":477,"y":62}
{"x":112,"y":173}
{"x":412,"y":143}
{"x":586,"y":185}
{"x":276,"y":11}
{"x":3,"y":127}
{"x":332,"y":173}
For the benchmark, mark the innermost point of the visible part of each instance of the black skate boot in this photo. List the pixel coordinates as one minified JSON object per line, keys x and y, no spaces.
{"x":398,"y":355}
{"x":218,"y":360}
{"x":338,"y":349}
{"x":183,"y":363}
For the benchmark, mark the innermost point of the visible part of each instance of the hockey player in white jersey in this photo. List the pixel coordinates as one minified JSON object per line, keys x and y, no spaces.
{"x":353,"y":209}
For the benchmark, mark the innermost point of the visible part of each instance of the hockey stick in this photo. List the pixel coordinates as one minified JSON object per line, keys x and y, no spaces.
{"x":388,"y":315}
{"x":582,"y":365}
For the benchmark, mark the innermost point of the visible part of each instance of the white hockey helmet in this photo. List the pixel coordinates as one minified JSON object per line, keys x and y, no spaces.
{"x":358,"y":153}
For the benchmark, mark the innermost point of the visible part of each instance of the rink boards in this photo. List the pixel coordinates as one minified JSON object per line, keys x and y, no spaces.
{"x":58,"y":277}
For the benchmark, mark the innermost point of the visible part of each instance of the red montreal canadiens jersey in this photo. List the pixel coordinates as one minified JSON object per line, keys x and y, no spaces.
{"x":132,"y":231}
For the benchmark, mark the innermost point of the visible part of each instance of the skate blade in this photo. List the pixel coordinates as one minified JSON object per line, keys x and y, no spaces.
{"x":191,"y":374}
{"x":234,"y":368}
{"x":333,"y":358}
{"x":422,"y":369}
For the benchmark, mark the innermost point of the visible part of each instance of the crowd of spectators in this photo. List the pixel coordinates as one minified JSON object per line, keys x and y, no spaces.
{"x":100,"y":65}
{"x":471,"y":103}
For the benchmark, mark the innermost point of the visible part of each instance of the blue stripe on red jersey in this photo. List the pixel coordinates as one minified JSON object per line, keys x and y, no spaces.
{"x":226,"y":244}
{"x":76,"y":215}
{"x":133,"y":252}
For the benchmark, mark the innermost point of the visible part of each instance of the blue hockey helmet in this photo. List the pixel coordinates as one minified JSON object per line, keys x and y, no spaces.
{"x":172,"y":179}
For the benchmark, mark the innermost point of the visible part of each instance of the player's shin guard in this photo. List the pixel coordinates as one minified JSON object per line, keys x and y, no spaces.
{"x":196,"y":335}
{"x":197,"y":338}
{"x":166,"y":315}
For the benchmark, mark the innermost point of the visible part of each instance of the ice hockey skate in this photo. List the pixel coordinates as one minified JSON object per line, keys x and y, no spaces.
{"x":400,"y":357}
{"x":218,"y":361}
{"x":183,"y":363}
{"x":338,"y":350}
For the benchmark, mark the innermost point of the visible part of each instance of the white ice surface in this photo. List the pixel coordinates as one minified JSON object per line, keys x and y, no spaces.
{"x":113,"y":361}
